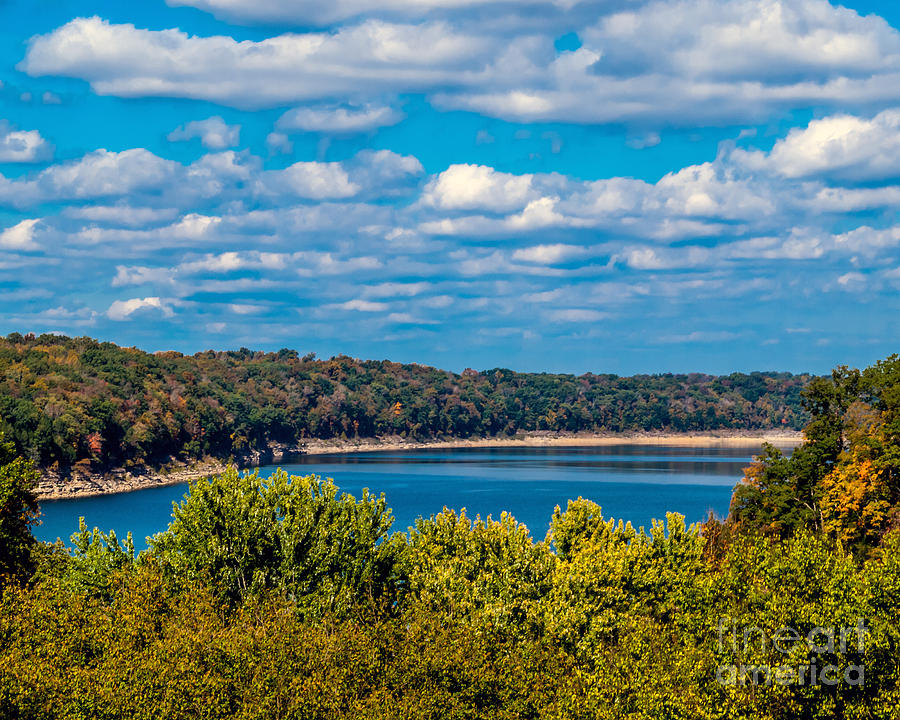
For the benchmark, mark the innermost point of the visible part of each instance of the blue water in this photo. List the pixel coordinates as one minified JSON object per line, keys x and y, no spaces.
{"x":636,"y":483}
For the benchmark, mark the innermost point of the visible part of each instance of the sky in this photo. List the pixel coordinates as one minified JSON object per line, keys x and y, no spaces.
{"x":621,"y":186}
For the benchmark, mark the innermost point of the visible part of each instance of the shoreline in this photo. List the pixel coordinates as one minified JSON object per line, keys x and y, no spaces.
{"x":51,"y":487}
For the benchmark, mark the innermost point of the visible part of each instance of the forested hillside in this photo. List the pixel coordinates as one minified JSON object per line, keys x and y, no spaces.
{"x":75,"y":400}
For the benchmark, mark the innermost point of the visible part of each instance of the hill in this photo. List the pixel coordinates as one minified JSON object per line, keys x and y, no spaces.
{"x":77,"y":402}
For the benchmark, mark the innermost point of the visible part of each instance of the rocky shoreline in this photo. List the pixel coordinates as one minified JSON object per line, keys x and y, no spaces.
{"x":53,"y":486}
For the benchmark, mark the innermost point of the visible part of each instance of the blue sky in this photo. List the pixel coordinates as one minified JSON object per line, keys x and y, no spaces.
{"x":606,"y":185}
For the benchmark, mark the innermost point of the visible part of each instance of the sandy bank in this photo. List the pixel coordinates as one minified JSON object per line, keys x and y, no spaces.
{"x":53,"y":487}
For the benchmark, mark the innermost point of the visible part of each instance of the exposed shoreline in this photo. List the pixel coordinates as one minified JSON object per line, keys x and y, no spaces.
{"x":52,"y":487}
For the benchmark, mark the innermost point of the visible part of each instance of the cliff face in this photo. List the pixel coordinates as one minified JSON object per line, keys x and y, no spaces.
{"x":77,"y":483}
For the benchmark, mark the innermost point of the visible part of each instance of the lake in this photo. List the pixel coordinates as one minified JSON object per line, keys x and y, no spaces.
{"x":632,"y":482}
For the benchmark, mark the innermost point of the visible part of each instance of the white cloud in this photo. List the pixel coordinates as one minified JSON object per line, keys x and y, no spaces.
{"x":642,"y":142}
{"x":317,"y":181}
{"x":22,"y":146}
{"x":141,"y":276}
{"x":214,"y":133}
{"x":734,"y":227}
{"x":20,"y":236}
{"x":363,"y":306}
{"x":224,"y":179}
{"x":103,"y":173}
{"x":841,"y":147}
{"x":470,"y":187}
{"x":372,"y":57}
{"x":338,"y":120}
{"x":698,"y":61}
{"x":121,"y":310}
{"x":699,"y":336}
{"x":548,"y":254}
{"x":438,"y":302}
{"x":576,"y":315}
{"x":383,"y":172}
{"x":246,"y":309}
{"x":405,"y":318}
{"x":313,"y":264}
{"x":852,"y":281}
{"x":868,"y":240}
{"x":396,"y":289}
{"x":233,"y":261}
{"x":646,"y":259}
{"x":279,"y":144}
{"x":320,"y":12}
{"x":121,"y":215}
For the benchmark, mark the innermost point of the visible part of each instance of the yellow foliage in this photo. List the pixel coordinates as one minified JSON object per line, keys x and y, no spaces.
{"x":855,"y":494}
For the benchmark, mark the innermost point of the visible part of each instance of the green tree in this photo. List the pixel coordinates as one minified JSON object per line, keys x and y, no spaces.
{"x":96,"y":558}
{"x":779,"y":494}
{"x":483,"y":571}
{"x":245,"y":534}
{"x":18,"y":512}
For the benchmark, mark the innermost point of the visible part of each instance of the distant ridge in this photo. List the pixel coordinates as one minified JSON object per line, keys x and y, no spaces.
{"x":77,"y":404}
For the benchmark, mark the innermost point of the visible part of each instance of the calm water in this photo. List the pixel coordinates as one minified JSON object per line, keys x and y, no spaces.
{"x":636,"y":483}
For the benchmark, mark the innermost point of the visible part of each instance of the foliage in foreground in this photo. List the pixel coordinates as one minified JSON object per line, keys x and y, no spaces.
{"x":283,"y":598}
{"x":455,"y":619}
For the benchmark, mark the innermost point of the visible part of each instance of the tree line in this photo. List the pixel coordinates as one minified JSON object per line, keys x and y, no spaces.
{"x":69,"y":402}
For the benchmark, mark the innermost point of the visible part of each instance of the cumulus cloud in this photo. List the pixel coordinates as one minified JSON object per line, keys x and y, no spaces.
{"x":231,"y":261}
{"x":316,"y":181}
{"x":214,"y":133}
{"x":700,"y":61}
{"x":548,"y":254}
{"x":122,"y":310}
{"x":471,"y":187}
{"x":98,"y":174}
{"x":20,"y":236}
{"x":384,"y":172}
{"x":659,"y":63}
{"x":372,"y":57}
{"x":22,"y":146}
{"x":218,"y":179}
{"x":339,"y":120}
{"x":121,"y":215}
{"x":839,"y":147}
